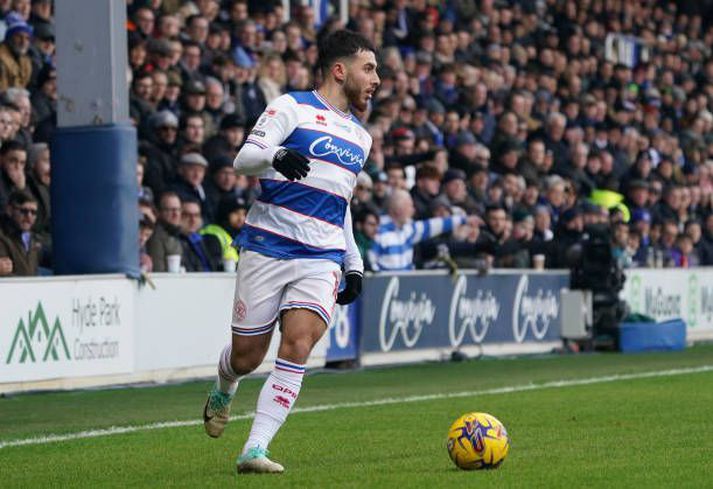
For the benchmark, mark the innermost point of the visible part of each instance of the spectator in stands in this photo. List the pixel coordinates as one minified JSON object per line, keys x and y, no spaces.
{"x":189,"y":184}
{"x":555,"y":196}
{"x":669,"y":207}
{"x":706,"y":243}
{"x":381,"y":191}
{"x":165,"y":240}
{"x":38,"y":183}
{"x":160,"y":86}
{"x":214,"y":103}
{"x":145,"y":193}
{"x":144,"y":19}
{"x":146,"y":228}
{"x":201,"y":253}
{"x":192,"y":132}
{"x":17,"y":240}
{"x":620,"y":245}
{"x":667,"y":242}
{"x":272,"y":77}
{"x":641,"y":225}
{"x":137,"y":51}
{"x":19,"y":98}
{"x":394,"y":242}
{"x":140,"y":106}
{"x":15,"y":63}
{"x":191,"y":61}
{"x":41,"y":13}
{"x":161,"y":151}
{"x":456,"y":191}
{"x":228,"y":139}
{"x":223,"y":181}
{"x":194,"y":103}
{"x":7,"y":123}
{"x":13,"y":159}
{"x":44,"y":100}
{"x":159,"y":55}
{"x":366,"y":225}
{"x":197,"y":29}
{"x":230,"y":218}
{"x":42,"y":50}
{"x":361,"y":199}
{"x":172,"y":96}
{"x":426,"y":189}
{"x":684,"y":255}
{"x":569,"y":233}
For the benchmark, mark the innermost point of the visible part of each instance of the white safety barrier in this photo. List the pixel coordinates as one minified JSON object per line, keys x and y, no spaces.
{"x":70,"y":332}
{"x":53,"y":328}
{"x":671,"y":293}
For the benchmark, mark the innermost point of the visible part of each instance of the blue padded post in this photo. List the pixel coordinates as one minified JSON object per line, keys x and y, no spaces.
{"x":94,"y":200}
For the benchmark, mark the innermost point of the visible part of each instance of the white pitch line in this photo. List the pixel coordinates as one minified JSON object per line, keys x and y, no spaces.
{"x":118,"y":430}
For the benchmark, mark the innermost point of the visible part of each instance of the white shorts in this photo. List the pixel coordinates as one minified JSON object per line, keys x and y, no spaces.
{"x":266,"y":286}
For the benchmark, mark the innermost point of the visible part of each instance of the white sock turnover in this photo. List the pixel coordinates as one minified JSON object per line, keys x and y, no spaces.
{"x":227,"y":378}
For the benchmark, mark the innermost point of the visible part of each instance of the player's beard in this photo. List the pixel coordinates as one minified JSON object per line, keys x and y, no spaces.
{"x":354,"y":95}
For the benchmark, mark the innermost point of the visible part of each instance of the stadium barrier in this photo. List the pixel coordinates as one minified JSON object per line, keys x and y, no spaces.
{"x":665,"y":294}
{"x":82,"y":331}
{"x":428,"y":315}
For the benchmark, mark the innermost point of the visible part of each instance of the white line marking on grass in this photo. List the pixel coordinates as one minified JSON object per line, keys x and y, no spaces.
{"x":118,"y":430}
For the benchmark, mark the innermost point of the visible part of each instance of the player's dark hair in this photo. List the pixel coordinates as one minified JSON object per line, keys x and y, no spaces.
{"x":341,"y":44}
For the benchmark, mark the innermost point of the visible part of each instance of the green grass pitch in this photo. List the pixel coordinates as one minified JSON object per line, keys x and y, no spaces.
{"x":630,"y":431}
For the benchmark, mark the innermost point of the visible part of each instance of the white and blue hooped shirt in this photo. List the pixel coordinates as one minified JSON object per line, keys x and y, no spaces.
{"x":305,"y":218}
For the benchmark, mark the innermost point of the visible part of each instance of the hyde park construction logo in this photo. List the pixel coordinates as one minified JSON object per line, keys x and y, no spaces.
{"x":35,"y":341}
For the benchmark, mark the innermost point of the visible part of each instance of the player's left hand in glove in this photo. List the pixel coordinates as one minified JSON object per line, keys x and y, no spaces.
{"x":352,"y":289}
{"x":290,"y":163}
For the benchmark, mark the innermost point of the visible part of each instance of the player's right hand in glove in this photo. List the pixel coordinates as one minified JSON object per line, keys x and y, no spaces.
{"x":352,"y":289}
{"x":290,"y":163}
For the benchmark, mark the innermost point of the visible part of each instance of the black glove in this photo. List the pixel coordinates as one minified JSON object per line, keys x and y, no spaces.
{"x":352,"y":289}
{"x":290,"y":163}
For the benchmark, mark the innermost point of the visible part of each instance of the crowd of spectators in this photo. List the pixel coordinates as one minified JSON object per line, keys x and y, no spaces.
{"x":514,"y":124}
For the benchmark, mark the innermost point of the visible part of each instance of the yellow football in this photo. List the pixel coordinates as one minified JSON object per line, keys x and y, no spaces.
{"x":478,"y":441}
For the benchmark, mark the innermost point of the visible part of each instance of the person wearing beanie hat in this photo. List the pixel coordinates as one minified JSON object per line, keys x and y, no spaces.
{"x":163,"y":118}
{"x":42,"y":50}
{"x":222,"y":181}
{"x":228,"y":139}
{"x":15,"y":63}
{"x":569,"y":233}
{"x":161,"y":151}
{"x":455,"y":189}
